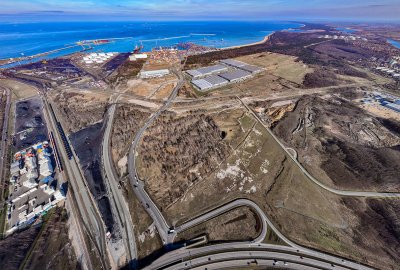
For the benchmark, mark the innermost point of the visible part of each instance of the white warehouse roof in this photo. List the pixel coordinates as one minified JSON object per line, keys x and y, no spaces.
{"x":216,"y":80}
{"x":202,"y":84}
{"x":206,"y":70}
{"x":233,"y":63}
{"x":235,"y":75}
{"x":252,"y":69}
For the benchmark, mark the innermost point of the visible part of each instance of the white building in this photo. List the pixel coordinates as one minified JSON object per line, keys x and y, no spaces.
{"x":134,"y":57}
{"x":154,"y":73}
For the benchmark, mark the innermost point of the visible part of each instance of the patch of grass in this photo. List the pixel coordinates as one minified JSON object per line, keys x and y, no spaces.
{"x":273,"y":238}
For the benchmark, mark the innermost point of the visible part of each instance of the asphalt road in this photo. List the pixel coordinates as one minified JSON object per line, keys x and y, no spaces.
{"x":159,"y":220}
{"x":347,"y":193}
{"x":231,"y":252}
{"x":85,"y":203}
{"x":118,"y":204}
{"x":318,"y":261}
{"x":223,"y":209}
{"x":4,"y":133}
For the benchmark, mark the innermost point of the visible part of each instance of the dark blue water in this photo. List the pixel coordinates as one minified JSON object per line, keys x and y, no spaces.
{"x":34,"y":38}
{"x":394,"y":43}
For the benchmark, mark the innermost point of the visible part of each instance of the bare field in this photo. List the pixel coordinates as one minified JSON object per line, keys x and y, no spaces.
{"x":342,"y":144}
{"x":381,"y":111}
{"x":80,"y":109}
{"x":259,"y":170}
{"x":164,"y":91}
{"x":53,"y":249}
{"x":19,"y":90}
{"x":148,"y":87}
{"x":240,"y":224}
{"x":280,"y":65}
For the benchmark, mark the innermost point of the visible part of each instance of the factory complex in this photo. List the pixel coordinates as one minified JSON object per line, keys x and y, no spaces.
{"x":33,"y":187}
{"x":227,"y":72}
{"x":97,"y":58}
{"x":385,"y":100}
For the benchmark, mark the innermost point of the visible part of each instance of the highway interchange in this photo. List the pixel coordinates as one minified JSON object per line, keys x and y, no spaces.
{"x":176,"y":259}
{"x":210,"y":257}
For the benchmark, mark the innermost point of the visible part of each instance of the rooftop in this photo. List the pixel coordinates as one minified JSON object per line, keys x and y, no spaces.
{"x":232,"y":62}
{"x":235,"y":75}
{"x":251,"y":68}
{"x":206,"y":70}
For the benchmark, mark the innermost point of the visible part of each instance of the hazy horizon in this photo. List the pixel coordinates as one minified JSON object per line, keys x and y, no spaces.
{"x":200,"y":10}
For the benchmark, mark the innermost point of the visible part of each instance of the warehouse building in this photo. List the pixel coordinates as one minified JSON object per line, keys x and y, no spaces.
{"x":209,"y":82}
{"x":233,"y":63}
{"x":252,"y":69}
{"x":201,"y":72}
{"x":393,"y":106}
{"x":236,"y":75}
{"x":154,"y":73}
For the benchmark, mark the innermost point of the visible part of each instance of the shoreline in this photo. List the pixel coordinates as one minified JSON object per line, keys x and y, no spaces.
{"x":265,"y":39}
{"x":4,"y":63}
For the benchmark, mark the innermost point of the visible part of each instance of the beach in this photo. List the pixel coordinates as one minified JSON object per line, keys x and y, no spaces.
{"x":266,"y":38}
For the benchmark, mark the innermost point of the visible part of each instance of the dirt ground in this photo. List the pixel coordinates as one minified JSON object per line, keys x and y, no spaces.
{"x":280,"y":65}
{"x":53,"y":249}
{"x":18,"y":89}
{"x":164,"y":91}
{"x":258,"y":169}
{"x":80,"y":109}
{"x":240,"y":224}
{"x":342,"y":144}
{"x":13,"y":249}
{"x":149,"y":88}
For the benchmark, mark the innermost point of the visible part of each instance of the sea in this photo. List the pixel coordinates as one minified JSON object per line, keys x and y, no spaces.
{"x":26,"y":39}
{"x":395,"y":43}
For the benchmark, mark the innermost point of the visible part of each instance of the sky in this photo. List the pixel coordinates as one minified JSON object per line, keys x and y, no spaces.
{"x":59,"y":10}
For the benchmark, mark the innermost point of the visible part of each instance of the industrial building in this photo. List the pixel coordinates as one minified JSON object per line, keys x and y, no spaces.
{"x":229,"y":71}
{"x":201,"y":72}
{"x":393,"y":106}
{"x":209,"y":82}
{"x":137,"y":56}
{"x":98,"y":58}
{"x":233,"y":63}
{"x":32,"y":193}
{"x":236,"y":75}
{"x":154,"y":73}
{"x":252,"y":69}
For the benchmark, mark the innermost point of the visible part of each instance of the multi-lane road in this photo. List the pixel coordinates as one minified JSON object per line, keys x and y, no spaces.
{"x":118,"y":204}
{"x":248,"y":251}
{"x":86,"y":205}
{"x":185,"y":258}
